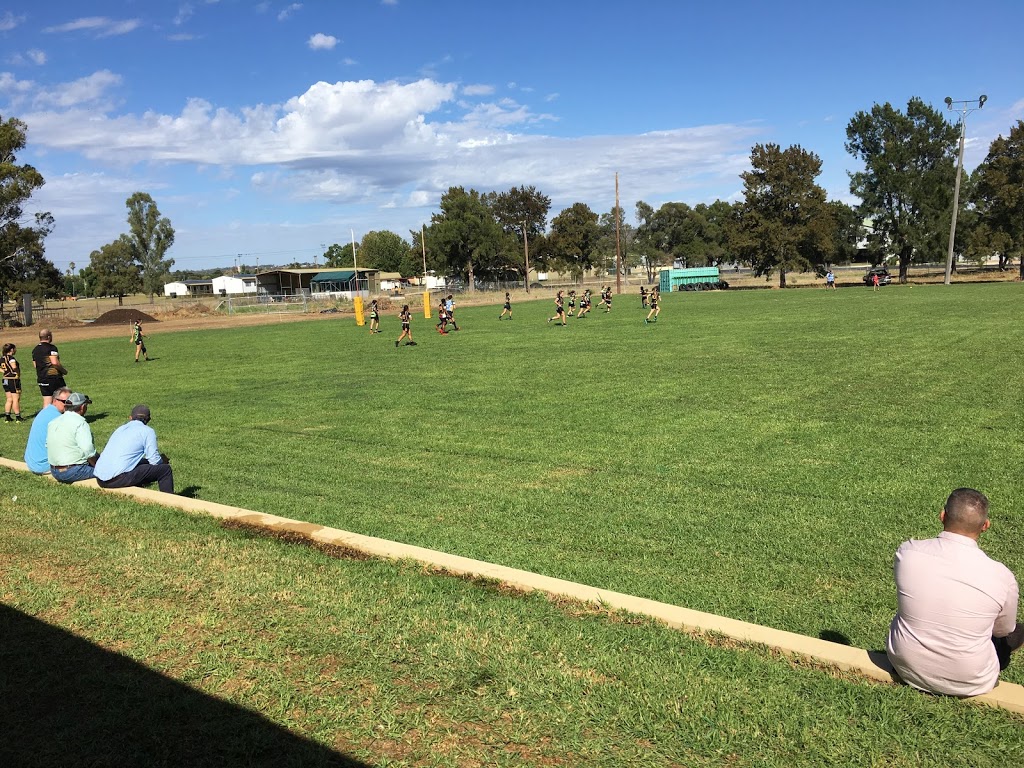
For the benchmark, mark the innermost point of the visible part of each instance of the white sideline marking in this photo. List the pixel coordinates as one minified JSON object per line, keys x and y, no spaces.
{"x":1009,"y":696}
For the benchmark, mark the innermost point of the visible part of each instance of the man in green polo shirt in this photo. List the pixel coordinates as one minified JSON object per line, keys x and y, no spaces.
{"x":69,"y":445}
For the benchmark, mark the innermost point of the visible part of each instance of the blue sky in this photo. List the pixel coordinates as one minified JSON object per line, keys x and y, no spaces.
{"x":271,"y":128}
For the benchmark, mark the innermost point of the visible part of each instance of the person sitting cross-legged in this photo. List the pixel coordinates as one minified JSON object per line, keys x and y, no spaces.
{"x":131,"y":456}
{"x":956,"y":621}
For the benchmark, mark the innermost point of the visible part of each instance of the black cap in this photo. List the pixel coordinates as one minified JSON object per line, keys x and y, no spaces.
{"x":141,"y":413}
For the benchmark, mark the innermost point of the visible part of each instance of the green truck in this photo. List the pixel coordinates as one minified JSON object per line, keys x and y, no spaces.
{"x":696,"y":279}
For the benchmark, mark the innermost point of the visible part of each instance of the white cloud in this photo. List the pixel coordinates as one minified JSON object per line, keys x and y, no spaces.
{"x":478,"y":90}
{"x":349,"y":62}
{"x":185,"y":12}
{"x":100,"y":25}
{"x":36,"y":56}
{"x":286,"y":12}
{"x":90,"y":90}
{"x":9,"y":21}
{"x":322,"y":42}
{"x":33,"y":56}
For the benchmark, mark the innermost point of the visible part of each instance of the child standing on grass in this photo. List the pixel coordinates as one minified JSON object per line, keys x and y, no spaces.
{"x":643,"y":297}
{"x":559,"y":309}
{"x":652,"y":316}
{"x":508,"y":307}
{"x":12,"y":383}
{"x":442,"y":319}
{"x":140,"y":345}
{"x":374,"y":317}
{"x":406,"y":317}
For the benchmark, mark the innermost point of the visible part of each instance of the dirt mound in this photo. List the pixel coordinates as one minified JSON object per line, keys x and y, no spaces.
{"x":190,"y":310}
{"x":123,"y":317}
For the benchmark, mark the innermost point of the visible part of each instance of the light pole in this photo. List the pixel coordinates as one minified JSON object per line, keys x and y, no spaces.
{"x":964,"y":109}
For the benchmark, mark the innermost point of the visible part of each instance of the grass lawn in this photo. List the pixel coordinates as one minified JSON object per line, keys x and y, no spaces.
{"x":138,"y":635}
{"x":754,"y":454}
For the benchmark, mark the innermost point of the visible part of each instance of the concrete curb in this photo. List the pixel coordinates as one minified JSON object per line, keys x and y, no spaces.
{"x":873,"y":665}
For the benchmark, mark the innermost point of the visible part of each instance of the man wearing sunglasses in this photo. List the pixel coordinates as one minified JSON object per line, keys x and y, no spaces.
{"x":69,"y":445}
{"x":131,"y":456}
{"x":35,"y":449}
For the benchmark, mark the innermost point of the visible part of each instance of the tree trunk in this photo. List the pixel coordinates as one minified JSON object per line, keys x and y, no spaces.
{"x":469,"y":269}
{"x":1022,"y":266}
{"x":782,"y":278}
{"x":905,"y":255}
{"x":120,"y":300}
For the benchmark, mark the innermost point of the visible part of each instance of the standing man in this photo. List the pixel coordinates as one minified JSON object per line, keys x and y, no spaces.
{"x":49,"y":371}
{"x":830,"y":280}
{"x":131,"y":457}
{"x":35,"y":449}
{"x":956,"y":621}
{"x":69,"y":446}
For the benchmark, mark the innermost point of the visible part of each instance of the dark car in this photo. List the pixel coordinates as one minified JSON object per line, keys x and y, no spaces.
{"x":884,"y":278}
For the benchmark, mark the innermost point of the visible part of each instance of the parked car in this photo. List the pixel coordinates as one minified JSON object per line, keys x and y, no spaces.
{"x":884,"y":278}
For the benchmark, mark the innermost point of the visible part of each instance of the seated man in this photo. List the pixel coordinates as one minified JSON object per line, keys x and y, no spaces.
{"x":35,"y":449}
{"x":69,"y":446}
{"x":957,"y":609}
{"x":131,"y":457}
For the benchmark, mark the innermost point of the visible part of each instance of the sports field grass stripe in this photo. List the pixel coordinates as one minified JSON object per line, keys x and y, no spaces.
{"x":872,"y":664}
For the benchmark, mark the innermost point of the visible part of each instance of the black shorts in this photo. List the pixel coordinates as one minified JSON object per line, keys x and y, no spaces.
{"x":405,"y":326}
{"x":508,"y":306}
{"x":48,"y":385}
{"x":13,"y":386}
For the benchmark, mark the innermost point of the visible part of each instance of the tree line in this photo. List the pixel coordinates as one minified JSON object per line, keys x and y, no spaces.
{"x":783,"y":223}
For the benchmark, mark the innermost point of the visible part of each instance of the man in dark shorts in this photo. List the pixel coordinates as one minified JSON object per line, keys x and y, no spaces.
{"x":49,"y":371}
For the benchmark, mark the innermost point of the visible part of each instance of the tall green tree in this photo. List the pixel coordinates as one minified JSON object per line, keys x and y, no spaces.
{"x":906,"y":187}
{"x":998,"y":197}
{"x":23,"y":265}
{"x":522,"y":212}
{"x":338,"y":256}
{"x":467,"y":237}
{"x":115,"y":269}
{"x":383,"y":250}
{"x":848,"y":233}
{"x":785,"y":222}
{"x":648,"y":241}
{"x":612,"y":244}
{"x":575,"y":236}
{"x":151,"y":235}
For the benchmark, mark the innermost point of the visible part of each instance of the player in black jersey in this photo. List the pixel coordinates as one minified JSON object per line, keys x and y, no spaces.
{"x":374,"y":317}
{"x":406,"y":317}
{"x":140,"y":345}
{"x":559,"y":309}
{"x":584,"y":304}
{"x":11,"y":371}
{"x":652,"y":316}
{"x":643,"y":297}
{"x":508,"y":307}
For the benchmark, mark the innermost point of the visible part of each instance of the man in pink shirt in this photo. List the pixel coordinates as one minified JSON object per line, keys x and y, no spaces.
{"x":956,"y":621}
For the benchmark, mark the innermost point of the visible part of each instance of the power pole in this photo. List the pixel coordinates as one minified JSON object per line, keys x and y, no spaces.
{"x":618,"y":249}
{"x":526,"y":255}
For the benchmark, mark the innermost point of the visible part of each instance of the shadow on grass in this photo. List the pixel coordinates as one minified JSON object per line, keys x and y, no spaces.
{"x":91,"y":417}
{"x":65,"y":701}
{"x":191,"y":492}
{"x":834,"y":637}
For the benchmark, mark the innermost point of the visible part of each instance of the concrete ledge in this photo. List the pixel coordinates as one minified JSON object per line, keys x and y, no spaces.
{"x":874,"y":665}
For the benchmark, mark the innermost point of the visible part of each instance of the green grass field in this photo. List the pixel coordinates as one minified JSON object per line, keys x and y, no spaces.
{"x":755,"y":454}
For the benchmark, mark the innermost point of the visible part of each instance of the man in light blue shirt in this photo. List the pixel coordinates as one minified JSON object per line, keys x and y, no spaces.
{"x":69,"y":446}
{"x":131,"y":456}
{"x":35,"y":449}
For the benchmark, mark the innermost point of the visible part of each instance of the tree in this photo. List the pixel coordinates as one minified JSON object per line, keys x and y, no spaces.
{"x":23,"y":265}
{"x":649,"y":240}
{"x":575,"y":235}
{"x":115,"y":269}
{"x":383,"y":250}
{"x":998,"y":196}
{"x":906,"y":186}
{"x":466,"y":237}
{"x":151,"y":235}
{"x":785,"y":222}
{"x":339,"y":256}
{"x":847,"y":234}
{"x":522,"y":212}
{"x":608,"y":246}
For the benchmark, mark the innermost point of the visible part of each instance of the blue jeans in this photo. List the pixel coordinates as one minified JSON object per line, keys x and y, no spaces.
{"x":72,"y":474}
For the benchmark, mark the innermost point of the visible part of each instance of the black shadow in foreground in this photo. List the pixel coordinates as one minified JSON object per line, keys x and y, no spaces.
{"x":67,"y":702}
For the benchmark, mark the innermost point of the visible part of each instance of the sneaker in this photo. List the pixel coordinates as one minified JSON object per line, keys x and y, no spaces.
{"x":412,"y":344}
{"x":18,"y":418}
{"x":645,"y":321}
{"x":396,"y":345}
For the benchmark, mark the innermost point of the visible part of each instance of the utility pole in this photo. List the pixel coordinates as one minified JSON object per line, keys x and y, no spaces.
{"x":618,"y":249}
{"x":526,"y":254}
{"x":964,"y":110}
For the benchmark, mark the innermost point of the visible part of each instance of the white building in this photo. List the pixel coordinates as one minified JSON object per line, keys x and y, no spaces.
{"x":227,"y":285}
{"x":183,"y":288}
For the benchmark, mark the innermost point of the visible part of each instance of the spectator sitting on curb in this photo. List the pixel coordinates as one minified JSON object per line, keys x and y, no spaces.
{"x":35,"y":450}
{"x":131,"y":458}
{"x":69,"y":445}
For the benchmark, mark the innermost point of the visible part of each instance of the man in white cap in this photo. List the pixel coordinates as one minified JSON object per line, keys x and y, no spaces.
{"x":131,"y":456}
{"x":69,"y":446}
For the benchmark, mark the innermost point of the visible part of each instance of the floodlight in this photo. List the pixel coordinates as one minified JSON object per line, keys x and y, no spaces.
{"x":949,"y":102}
{"x":982,"y":100}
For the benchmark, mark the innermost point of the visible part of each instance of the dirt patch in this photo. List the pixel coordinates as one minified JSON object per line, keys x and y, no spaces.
{"x":189,"y":310}
{"x":123,"y":317}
